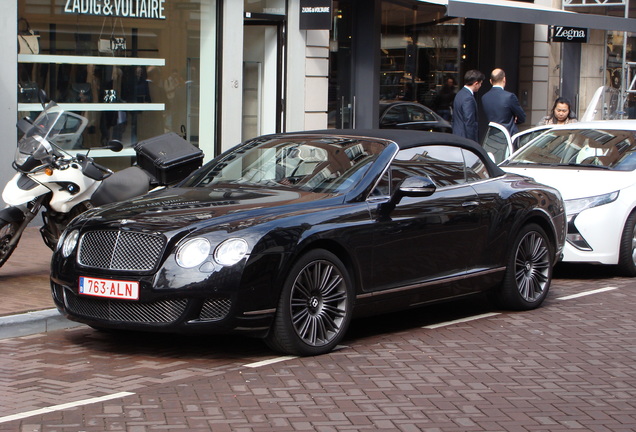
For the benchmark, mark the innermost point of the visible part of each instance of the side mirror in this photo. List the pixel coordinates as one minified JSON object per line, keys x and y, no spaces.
{"x":24,"y":124}
{"x":417,"y":186}
{"x":43,"y":97}
{"x":114,"y":145}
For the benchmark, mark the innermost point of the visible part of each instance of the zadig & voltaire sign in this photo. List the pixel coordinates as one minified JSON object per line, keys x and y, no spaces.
{"x":152,"y":9}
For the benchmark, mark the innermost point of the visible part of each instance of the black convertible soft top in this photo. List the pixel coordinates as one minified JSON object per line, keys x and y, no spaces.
{"x":411,"y":138}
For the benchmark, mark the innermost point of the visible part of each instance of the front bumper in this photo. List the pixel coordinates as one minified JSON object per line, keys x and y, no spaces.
{"x":602,"y":228}
{"x":213,"y":314}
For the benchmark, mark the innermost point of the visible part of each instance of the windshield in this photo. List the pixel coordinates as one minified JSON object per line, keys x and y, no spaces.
{"x":316,"y":164}
{"x":53,"y":125}
{"x":608,"y":149}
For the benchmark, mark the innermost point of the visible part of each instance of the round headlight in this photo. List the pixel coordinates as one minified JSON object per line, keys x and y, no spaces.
{"x":230,"y":251}
{"x":70,"y":241}
{"x":193,"y":252}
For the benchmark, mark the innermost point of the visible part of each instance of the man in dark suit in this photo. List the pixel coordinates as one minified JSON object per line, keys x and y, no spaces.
{"x":465,"y":116}
{"x":502,"y":106}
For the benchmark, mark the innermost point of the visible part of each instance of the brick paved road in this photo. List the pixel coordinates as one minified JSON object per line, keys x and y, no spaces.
{"x":568,"y":366}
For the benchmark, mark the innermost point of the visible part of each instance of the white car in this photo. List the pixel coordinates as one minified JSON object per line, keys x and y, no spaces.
{"x":593,"y":165}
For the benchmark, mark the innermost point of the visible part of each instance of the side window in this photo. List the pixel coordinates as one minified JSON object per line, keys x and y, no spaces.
{"x":443,"y":164}
{"x":393,"y":115}
{"x":475,"y":167}
{"x":416,"y":113}
{"x":526,"y":138}
{"x":383,"y":187}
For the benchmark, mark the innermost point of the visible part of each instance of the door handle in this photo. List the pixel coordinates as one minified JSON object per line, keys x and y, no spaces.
{"x":470,"y":204}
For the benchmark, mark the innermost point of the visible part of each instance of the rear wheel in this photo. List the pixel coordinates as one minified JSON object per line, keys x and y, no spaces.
{"x":315,"y":306}
{"x":627,"y":253}
{"x":529,"y":271}
{"x":8,"y":231}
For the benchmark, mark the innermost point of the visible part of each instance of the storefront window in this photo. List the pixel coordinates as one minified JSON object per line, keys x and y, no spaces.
{"x":340,"y":75}
{"x":619,"y":88}
{"x":274,"y":7}
{"x":131,"y":68}
{"x":419,"y":54}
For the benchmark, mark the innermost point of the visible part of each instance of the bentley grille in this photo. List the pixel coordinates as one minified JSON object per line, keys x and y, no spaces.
{"x":159,"y":312}
{"x":120,"y":250}
{"x":215,"y":309}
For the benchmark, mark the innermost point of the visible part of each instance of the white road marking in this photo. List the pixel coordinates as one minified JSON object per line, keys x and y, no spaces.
{"x":63,"y":406}
{"x":270,"y":361}
{"x":462,"y":320}
{"x":586,"y":293}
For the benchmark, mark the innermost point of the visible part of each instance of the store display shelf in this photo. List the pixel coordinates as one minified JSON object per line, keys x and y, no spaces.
{"x":97,"y":106}
{"x":95,"y":60}
{"x":103,"y":153}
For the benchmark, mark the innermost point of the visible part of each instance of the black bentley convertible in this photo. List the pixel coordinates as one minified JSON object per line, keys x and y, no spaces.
{"x":289,"y":236}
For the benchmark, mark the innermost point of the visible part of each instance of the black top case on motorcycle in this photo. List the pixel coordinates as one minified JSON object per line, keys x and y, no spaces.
{"x":168,"y":158}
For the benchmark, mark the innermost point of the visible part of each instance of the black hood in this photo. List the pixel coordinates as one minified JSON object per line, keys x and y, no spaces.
{"x":174,"y":208}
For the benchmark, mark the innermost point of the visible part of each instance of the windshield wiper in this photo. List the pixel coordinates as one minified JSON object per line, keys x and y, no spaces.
{"x":587,"y":166}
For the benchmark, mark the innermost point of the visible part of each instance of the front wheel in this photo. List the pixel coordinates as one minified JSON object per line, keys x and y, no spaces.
{"x":529,"y":271}
{"x":627,"y":253}
{"x":8,"y":231}
{"x":315,"y":306}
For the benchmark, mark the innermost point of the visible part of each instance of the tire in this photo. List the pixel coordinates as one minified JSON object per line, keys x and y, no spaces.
{"x":529,"y":271}
{"x":315,"y":306}
{"x":627,"y":249}
{"x":7,"y":232}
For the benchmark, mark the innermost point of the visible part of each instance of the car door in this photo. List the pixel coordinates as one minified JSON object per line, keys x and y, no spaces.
{"x":497,"y":142}
{"x":425,"y":240}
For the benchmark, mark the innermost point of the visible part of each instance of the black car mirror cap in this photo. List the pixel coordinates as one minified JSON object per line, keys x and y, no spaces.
{"x":416,"y":186}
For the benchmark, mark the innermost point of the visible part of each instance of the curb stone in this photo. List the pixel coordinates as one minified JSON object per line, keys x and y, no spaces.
{"x":33,"y":322}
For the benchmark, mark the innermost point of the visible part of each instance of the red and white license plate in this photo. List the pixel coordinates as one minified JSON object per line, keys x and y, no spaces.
{"x":109,"y":288}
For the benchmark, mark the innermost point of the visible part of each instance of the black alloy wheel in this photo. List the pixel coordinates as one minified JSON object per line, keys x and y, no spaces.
{"x":315,"y":306}
{"x":627,"y":253}
{"x":529,"y":271}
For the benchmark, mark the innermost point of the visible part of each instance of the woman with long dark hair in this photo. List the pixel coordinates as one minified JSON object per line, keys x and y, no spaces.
{"x":561,"y":113}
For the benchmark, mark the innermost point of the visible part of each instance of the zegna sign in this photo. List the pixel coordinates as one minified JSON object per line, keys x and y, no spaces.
{"x":151,"y":9}
{"x":569,"y":34}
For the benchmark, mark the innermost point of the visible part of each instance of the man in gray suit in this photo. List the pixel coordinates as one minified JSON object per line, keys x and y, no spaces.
{"x":465,"y":115}
{"x":502,"y":106}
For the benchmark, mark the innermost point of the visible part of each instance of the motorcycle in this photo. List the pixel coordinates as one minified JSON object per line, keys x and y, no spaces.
{"x":63,"y":186}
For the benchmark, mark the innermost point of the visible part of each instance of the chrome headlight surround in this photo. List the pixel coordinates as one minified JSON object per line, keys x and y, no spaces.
{"x":68,"y":242}
{"x":231,"y":251}
{"x":193,"y":252}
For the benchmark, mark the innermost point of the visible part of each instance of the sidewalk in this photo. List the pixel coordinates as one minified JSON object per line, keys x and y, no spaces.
{"x":26,"y":306}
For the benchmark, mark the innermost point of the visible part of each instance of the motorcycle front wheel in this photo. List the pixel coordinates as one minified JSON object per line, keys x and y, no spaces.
{"x":8,"y":231}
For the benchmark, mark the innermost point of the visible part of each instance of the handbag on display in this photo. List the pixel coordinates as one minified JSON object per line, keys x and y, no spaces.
{"x":114,"y":45}
{"x":27,"y":92}
{"x":28,"y":40}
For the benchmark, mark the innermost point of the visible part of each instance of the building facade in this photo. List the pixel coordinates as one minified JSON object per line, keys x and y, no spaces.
{"x":221,"y":71}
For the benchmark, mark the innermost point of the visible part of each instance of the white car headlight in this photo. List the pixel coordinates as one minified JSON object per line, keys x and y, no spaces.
{"x":576,"y":206}
{"x":69,"y":243}
{"x":193,"y":252}
{"x":230,"y":251}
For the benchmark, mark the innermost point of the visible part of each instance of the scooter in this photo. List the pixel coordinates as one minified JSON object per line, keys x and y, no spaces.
{"x":62,"y":186}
